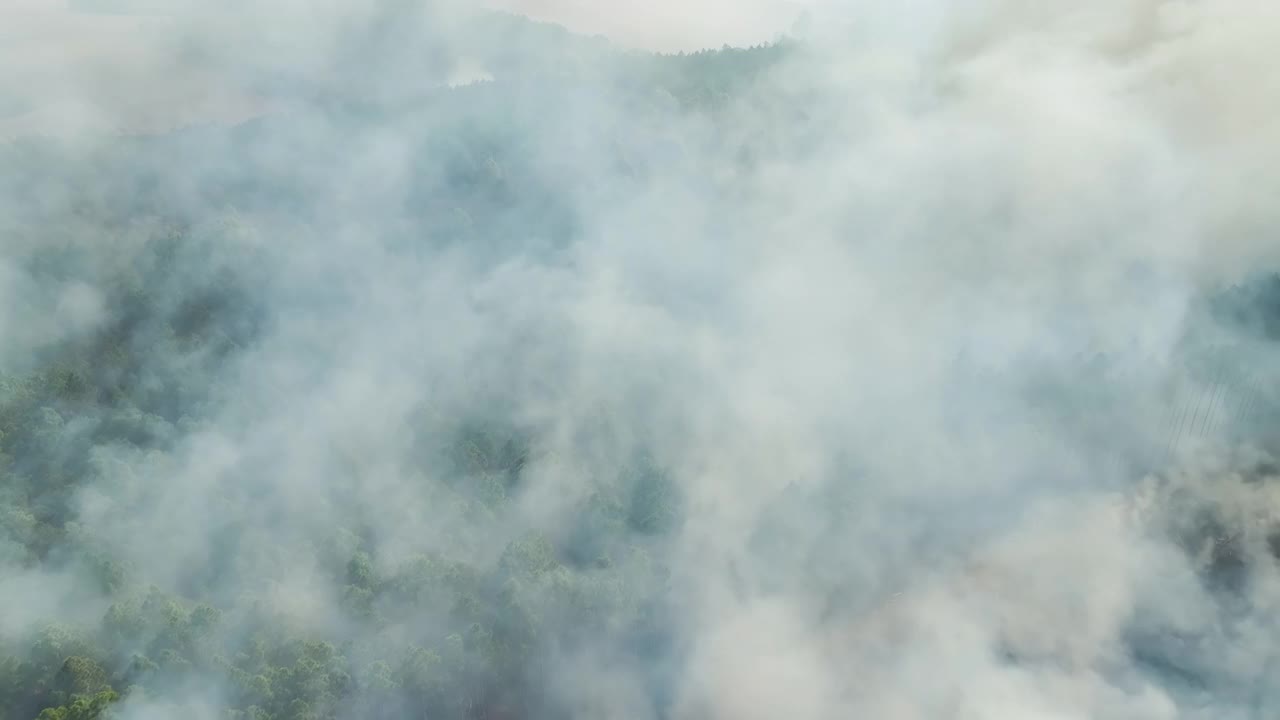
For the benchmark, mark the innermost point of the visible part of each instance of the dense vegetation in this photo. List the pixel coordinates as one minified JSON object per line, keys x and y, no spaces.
{"x":184,"y":240}
{"x":180,"y":316}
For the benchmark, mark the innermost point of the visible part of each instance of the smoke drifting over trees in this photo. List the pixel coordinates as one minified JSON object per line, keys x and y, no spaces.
{"x":403,"y":359}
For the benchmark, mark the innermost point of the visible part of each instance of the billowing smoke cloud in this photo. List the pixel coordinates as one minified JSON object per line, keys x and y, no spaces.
{"x":445,"y":363}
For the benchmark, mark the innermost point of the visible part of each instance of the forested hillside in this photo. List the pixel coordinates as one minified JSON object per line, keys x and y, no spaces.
{"x":752,"y":382}
{"x":153,"y":246}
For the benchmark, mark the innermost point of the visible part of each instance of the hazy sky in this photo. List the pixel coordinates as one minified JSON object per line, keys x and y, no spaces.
{"x":76,"y":64}
{"x":669,"y":25}
{"x":66,"y":70}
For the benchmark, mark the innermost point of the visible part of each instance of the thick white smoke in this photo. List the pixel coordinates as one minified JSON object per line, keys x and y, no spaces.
{"x":849,"y":311}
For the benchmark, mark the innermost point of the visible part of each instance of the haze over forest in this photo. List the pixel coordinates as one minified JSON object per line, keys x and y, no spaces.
{"x":380,"y":359}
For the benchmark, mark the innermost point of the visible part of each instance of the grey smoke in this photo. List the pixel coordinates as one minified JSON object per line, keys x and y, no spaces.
{"x":860,"y":354}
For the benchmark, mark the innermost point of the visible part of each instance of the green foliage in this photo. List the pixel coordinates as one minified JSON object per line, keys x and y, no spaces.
{"x":96,"y":707}
{"x":80,"y":676}
{"x":654,"y":505}
{"x":711,"y":79}
{"x":451,"y":632}
{"x":1253,"y":307}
